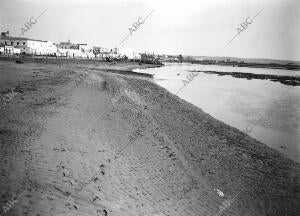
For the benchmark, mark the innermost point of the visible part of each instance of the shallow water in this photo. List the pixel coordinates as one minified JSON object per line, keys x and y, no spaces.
{"x":269,"y":110}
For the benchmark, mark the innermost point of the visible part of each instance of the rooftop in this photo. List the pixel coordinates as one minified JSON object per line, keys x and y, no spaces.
{"x":20,"y":38}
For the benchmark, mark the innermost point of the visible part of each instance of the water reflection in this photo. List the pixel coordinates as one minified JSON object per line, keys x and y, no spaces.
{"x":272,"y":107}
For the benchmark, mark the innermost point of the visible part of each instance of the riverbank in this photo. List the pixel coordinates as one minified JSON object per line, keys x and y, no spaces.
{"x":86,"y":141}
{"x":251,"y":63}
{"x":286,"y":80}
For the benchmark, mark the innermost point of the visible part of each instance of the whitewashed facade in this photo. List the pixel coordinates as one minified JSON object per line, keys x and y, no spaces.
{"x":70,"y":50}
{"x":30,"y":46}
{"x":9,"y":50}
{"x":73,"y":53}
{"x":125,"y":51}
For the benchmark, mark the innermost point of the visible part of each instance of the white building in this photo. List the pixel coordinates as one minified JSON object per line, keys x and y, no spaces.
{"x":9,"y":50}
{"x":100,"y":52}
{"x":85,"y":48}
{"x":71,"y":50}
{"x":125,"y":51}
{"x":28,"y":46}
{"x":73,"y":53}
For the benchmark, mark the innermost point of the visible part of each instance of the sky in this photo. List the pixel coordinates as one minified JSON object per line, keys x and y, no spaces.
{"x":189,"y":27}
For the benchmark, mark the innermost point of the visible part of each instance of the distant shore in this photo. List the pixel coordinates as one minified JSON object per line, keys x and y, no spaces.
{"x":288,"y":66}
{"x":286,"y":80}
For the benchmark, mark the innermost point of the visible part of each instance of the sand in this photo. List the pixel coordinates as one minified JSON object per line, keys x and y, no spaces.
{"x":96,"y":139}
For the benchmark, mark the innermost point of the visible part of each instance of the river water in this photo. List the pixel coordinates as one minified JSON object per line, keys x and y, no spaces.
{"x":270,"y":111}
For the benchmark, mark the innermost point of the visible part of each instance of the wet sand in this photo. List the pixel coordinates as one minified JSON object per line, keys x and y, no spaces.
{"x":96,"y":139}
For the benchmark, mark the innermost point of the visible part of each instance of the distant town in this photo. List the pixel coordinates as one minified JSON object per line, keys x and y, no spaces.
{"x":25,"y":47}
{"x":20,"y":46}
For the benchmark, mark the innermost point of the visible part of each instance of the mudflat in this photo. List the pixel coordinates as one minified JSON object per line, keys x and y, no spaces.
{"x":97,"y":139}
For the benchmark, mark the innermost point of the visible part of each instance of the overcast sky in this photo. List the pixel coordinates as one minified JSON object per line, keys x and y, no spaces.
{"x":189,"y":27}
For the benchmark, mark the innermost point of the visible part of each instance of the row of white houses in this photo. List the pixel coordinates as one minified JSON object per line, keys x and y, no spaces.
{"x":20,"y":45}
{"x":26,"y":45}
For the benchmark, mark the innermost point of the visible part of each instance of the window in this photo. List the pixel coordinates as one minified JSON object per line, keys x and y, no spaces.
{"x":5,"y":43}
{"x":12,"y":43}
{"x":18,"y":43}
{"x":23,"y":43}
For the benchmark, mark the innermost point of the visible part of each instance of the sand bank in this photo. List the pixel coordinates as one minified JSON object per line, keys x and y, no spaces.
{"x":85,"y":141}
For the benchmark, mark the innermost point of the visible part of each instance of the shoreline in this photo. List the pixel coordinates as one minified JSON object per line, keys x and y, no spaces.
{"x":286,"y":80}
{"x":150,"y":145}
{"x":288,"y":66}
{"x":76,"y":61}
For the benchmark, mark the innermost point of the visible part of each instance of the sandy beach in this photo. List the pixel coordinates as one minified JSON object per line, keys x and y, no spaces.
{"x":96,"y":139}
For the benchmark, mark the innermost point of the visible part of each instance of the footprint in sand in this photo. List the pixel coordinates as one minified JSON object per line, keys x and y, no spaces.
{"x":102,"y":212}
